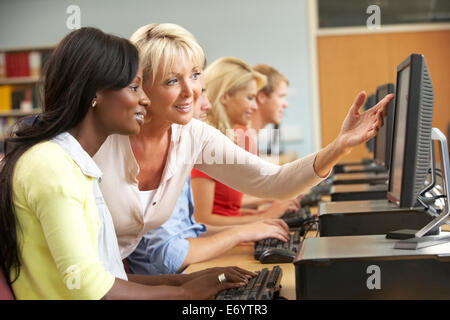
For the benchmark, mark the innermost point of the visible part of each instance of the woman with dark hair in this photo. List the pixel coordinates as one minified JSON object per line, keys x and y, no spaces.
{"x":57,"y":239}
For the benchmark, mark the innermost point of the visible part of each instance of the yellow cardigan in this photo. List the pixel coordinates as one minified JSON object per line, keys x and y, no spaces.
{"x":58,"y":228}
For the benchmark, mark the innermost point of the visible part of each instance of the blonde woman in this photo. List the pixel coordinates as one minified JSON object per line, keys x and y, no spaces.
{"x":180,"y":241}
{"x":143,"y":175}
{"x":232,"y":88}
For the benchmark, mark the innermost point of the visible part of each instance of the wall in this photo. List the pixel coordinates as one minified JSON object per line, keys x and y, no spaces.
{"x":258,"y":31}
{"x":351,"y":63}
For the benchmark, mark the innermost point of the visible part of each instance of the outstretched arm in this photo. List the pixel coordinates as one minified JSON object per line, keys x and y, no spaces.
{"x":249,"y":174}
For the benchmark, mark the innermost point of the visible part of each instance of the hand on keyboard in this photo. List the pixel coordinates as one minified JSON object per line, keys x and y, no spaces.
{"x":278,"y":207}
{"x":268,"y":228}
{"x":292,"y":245}
{"x":264,"y":286}
{"x":205,"y":284}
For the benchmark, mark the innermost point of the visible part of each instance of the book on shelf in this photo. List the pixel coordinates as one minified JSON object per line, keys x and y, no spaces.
{"x":24,"y":64}
{"x":20,"y":98}
{"x":35,"y":63}
{"x":17,"y":97}
{"x":6,"y":97}
{"x":17,"y":64}
{"x":2,"y":66}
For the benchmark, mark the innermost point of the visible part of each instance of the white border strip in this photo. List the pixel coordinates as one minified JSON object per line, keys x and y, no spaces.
{"x":314,"y":74}
{"x":417,"y":27}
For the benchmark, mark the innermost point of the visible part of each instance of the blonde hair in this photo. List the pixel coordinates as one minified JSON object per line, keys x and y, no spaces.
{"x":274,"y":77}
{"x":227,"y":75}
{"x":161,"y":43}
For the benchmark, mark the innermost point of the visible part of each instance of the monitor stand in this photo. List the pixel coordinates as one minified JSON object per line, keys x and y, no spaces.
{"x":354,"y":192}
{"x":413,"y":238}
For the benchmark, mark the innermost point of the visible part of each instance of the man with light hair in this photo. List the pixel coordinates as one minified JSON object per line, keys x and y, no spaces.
{"x":271,"y":99}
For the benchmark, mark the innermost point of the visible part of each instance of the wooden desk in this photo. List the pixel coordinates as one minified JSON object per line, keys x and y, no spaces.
{"x":242,"y":256}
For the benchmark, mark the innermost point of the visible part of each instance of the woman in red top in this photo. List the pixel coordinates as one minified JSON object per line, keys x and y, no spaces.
{"x":231,"y":86}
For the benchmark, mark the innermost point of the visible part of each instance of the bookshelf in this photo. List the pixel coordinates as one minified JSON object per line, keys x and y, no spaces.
{"x":20,"y":70}
{"x":19,"y":80}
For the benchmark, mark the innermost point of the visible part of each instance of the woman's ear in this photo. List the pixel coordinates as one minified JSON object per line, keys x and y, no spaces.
{"x":98,"y":97}
{"x":224,"y":98}
{"x":94,"y":102}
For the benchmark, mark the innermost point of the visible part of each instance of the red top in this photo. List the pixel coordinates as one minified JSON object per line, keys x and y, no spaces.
{"x":227,"y":201}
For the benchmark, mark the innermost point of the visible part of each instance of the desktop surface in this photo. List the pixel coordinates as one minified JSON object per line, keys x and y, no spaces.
{"x":358,"y":178}
{"x":362,"y":175}
{"x":357,"y":206}
{"x":355,"y":192}
{"x":365,"y":246}
{"x":367,"y":217}
{"x":363,"y":187}
{"x":373,"y":167}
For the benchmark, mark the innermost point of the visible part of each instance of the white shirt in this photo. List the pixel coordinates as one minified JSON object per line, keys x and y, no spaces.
{"x":146,"y":197}
{"x":191,"y":145}
{"x":108,"y":249}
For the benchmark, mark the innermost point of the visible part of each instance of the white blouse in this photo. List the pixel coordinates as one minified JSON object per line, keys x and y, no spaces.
{"x":195,"y":145}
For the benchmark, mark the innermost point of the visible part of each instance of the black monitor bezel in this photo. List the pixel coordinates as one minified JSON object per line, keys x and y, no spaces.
{"x":371,"y":101}
{"x":415,"y":62}
{"x":388,"y":125}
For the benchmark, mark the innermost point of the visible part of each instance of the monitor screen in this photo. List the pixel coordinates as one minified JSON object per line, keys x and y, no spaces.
{"x":400,"y":132}
{"x":383,"y":140}
{"x":411,"y":142}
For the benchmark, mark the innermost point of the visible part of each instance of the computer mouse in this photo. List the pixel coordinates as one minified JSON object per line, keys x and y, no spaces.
{"x":277,"y":255}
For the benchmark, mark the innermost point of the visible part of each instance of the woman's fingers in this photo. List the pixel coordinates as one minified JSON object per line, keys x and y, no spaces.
{"x":246,"y":273}
{"x":358,"y":103}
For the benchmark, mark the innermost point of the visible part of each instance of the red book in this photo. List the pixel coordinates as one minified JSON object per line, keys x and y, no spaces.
{"x":24,"y":64}
{"x":9,"y":64}
{"x":17,"y":64}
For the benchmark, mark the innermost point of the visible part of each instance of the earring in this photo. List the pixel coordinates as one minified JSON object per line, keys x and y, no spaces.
{"x":94,"y":104}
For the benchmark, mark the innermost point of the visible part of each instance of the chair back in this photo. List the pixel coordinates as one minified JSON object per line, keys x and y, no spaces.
{"x":6,"y":292}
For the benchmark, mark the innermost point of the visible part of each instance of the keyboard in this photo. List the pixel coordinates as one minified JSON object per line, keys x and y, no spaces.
{"x":291,"y":245}
{"x":298,"y":219}
{"x":264,"y":286}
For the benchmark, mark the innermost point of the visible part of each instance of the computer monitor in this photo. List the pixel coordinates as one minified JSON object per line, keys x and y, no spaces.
{"x":370,"y":102}
{"x":411,"y":143}
{"x":383,"y":140}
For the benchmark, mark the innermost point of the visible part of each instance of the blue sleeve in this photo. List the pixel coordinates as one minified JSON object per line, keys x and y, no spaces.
{"x":158,"y":253}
